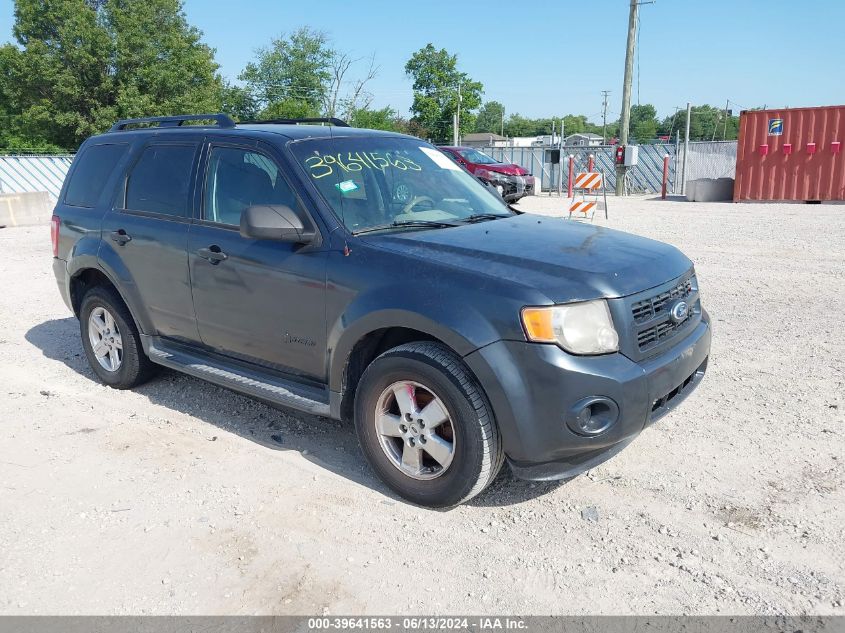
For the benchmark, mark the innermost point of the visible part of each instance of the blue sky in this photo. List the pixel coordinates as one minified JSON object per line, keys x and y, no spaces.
{"x":554,"y":57}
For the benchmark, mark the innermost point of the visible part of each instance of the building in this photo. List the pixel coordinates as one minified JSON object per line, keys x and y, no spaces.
{"x":583,"y":139}
{"x":484,"y":139}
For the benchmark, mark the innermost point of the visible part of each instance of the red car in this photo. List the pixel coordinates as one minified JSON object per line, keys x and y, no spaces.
{"x":512,"y":181}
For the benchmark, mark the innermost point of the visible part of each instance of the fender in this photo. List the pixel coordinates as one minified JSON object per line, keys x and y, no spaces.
{"x":463,"y":330}
{"x":109,"y":263}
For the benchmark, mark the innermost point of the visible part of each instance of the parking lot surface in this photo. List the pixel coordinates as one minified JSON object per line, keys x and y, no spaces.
{"x":181,"y":497}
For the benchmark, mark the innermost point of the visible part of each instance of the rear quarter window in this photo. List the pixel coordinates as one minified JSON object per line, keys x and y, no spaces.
{"x":96,"y":164}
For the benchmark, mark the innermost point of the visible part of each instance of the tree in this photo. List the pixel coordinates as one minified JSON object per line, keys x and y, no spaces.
{"x":345,"y":104}
{"x":706,"y":124}
{"x":643,"y":123}
{"x":437,"y":82}
{"x":81,"y":64}
{"x":301,"y":75}
{"x":384,"y":119}
{"x":238,"y":102}
{"x":290,"y":77}
{"x":490,"y":117}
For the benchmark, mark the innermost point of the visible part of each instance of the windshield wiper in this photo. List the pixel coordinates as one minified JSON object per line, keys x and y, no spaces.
{"x":480,"y":217}
{"x":434,"y":224}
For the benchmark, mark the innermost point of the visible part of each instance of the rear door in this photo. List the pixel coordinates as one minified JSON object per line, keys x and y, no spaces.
{"x":145,"y":234}
{"x":261,"y":301}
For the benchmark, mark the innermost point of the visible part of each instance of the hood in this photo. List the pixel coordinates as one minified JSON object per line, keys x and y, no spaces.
{"x":511,"y":170}
{"x":566,"y":261}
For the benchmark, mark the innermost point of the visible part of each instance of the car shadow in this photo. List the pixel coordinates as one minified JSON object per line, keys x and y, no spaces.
{"x":328,"y":443}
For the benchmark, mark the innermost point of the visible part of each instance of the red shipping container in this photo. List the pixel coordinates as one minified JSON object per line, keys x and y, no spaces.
{"x":791,"y":154}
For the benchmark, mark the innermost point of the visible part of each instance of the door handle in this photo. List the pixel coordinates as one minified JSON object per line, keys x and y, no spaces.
{"x":213,"y":254}
{"x":120,"y":236}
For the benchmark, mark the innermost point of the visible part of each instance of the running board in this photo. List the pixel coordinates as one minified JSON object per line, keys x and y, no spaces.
{"x":237,"y":377}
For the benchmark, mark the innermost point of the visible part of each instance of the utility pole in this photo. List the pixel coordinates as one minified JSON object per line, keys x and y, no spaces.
{"x":625,"y":121}
{"x":725,"y":129}
{"x":503,"y":121}
{"x":604,"y":116}
{"x":458,"y":132}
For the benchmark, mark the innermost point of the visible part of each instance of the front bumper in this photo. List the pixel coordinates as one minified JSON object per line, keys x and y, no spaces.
{"x":514,"y":187}
{"x":533,"y":387}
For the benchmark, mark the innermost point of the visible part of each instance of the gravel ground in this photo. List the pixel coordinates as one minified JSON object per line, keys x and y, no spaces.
{"x":181,"y":497}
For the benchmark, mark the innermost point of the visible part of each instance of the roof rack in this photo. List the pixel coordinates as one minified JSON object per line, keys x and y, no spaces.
{"x":223,"y":120}
{"x":333,"y":120}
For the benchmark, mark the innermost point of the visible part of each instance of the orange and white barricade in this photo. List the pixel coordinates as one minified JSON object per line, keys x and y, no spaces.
{"x":588,"y":185}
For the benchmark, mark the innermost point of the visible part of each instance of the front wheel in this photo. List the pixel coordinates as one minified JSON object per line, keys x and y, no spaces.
{"x":426,"y":427}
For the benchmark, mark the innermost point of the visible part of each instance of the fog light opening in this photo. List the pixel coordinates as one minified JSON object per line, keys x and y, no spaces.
{"x":593,"y":416}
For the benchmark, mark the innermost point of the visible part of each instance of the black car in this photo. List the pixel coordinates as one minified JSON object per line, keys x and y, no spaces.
{"x":289,"y":263}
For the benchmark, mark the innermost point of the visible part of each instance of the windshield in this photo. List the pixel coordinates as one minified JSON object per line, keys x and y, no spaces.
{"x":381,"y":181}
{"x":479,"y":158}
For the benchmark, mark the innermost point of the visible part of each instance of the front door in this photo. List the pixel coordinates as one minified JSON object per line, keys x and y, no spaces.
{"x":256,"y":300}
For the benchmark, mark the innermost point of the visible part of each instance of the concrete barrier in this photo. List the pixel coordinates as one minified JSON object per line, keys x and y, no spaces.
{"x":25,"y":209}
{"x":710,"y":189}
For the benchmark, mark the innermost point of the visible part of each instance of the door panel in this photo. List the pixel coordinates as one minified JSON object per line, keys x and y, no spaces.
{"x":259,"y":300}
{"x":157,"y":261}
{"x":265,"y":302}
{"x":147,"y":230}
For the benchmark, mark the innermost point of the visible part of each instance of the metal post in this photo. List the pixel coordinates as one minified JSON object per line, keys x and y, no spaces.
{"x":455,"y":129}
{"x":571,"y":169}
{"x":665,"y":176}
{"x":625,"y":121}
{"x":686,"y":152}
{"x":677,"y":154}
{"x":591,"y":162}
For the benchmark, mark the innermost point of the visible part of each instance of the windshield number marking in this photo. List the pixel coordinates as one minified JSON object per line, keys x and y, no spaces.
{"x":322,"y":166}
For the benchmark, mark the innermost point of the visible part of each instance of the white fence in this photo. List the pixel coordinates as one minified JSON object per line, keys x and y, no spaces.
{"x":25,"y":174}
{"x":717,"y":159}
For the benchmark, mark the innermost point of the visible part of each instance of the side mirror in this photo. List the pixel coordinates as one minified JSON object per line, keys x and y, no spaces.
{"x":277,"y":222}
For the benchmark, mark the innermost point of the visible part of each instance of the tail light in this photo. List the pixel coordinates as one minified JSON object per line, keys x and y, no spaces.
{"x":54,"y":234}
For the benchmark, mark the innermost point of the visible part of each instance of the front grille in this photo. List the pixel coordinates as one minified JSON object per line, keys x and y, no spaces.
{"x":659,"y":304}
{"x":652,"y":336}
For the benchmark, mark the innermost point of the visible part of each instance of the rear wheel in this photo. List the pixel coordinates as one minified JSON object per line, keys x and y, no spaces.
{"x":425,"y":426}
{"x":111,"y":340}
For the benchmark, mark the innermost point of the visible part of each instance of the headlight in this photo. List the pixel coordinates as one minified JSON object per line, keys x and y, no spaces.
{"x":495,"y":175}
{"x":579,"y":328}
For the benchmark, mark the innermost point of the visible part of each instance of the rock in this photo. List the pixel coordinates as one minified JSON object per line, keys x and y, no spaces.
{"x":277,"y":438}
{"x":590,"y":513}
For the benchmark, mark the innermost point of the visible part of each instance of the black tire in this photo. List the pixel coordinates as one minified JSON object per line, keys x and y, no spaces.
{"x":135,"y":368}
{"x":478,"y":453}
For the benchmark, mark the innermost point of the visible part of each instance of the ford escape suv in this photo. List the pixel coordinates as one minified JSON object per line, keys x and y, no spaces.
{"x":290,"y":263}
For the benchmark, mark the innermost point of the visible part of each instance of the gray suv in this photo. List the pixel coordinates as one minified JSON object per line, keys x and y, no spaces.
{"x":363,"y":275}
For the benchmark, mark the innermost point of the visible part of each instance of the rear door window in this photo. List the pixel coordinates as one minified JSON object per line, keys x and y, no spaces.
{"x":96,"y":164}
{"x":160,"y":182}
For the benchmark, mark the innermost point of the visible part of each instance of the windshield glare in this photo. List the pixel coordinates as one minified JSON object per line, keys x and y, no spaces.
{"x":378,"y":181}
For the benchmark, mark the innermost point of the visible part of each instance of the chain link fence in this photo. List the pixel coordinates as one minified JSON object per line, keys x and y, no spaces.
{"x":707,"y":159}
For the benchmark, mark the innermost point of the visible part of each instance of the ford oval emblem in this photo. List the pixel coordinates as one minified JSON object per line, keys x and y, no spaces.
{"x":679,"y":311}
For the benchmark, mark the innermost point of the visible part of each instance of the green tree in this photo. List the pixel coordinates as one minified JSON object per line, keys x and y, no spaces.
{"x":78,"y":65}
{"x":383,"y":119}
{"x":706,"y":123}
{"x":437,"y":82}
{"x":290,"y":77}
{"x":643,"y":123}
{"x":490,"y":117}
{"x":238,"y":102}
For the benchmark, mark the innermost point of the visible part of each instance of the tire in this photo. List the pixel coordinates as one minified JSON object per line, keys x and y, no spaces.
{"x":439,"y":384}
{"x":132,"y":366}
